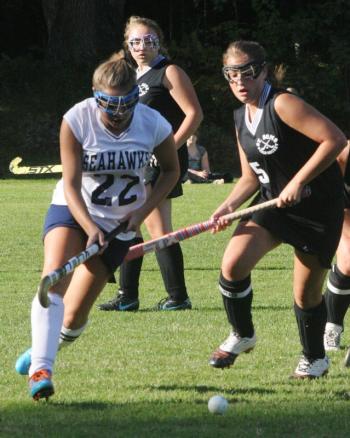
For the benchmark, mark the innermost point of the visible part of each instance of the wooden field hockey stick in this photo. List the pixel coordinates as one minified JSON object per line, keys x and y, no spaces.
{"x":55,"y":276}
{"x":33,"y":170}
{"x":191,"y":231}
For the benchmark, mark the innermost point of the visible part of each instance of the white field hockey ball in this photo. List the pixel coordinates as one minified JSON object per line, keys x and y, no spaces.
{"x":217,"y":404}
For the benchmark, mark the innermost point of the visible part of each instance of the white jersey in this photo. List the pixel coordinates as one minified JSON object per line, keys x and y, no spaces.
{"x":113,"y":165}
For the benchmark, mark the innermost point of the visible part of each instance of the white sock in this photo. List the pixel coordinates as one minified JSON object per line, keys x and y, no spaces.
{"x":46,"y":328}
{"x":67,"y":336}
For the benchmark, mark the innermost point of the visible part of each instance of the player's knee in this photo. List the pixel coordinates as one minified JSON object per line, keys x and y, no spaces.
{"x":308,"y":298}
{"x":339,"y":281}
{"x":235,"y":289}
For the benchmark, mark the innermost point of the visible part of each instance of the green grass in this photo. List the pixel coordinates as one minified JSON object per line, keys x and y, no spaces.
{"x":146,"y":373}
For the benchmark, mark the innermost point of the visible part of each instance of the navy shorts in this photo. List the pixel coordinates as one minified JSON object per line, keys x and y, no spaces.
{"x":112,"y":257}
{"x":152,"y":173}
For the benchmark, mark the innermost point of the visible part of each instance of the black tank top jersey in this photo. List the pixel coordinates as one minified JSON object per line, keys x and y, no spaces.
{"x":347,"y":184}
{"x":276,"y":152}
{"x":154,"y":94}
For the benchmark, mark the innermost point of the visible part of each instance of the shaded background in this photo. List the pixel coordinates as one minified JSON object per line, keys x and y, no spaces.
{"x":49,"y":49}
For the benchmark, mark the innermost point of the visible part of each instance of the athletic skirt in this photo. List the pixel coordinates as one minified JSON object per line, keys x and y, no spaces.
{"x":152,"y":173}
{"x":313,"y":226}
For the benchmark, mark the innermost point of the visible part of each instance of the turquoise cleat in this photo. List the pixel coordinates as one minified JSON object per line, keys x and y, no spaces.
{"x":23,"y":362}
{"x":40,"y":385}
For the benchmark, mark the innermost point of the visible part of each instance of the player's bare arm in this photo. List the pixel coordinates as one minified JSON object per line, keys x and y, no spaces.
{"x":182,"y":91}
{"x":70,"y":150}
{"x":301,"y":116}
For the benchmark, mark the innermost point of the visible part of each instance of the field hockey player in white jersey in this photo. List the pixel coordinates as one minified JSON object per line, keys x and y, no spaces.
{"x":105,"y":143}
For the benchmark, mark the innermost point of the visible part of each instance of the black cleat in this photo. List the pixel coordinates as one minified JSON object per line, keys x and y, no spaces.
{"x":120,"y":303}
{"x":171,"y":304}
{"x":222,"y":359}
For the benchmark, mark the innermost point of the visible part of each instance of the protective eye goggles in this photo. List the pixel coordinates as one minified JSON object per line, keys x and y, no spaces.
{"x":148,"y":41}
{"x":117,"y":105}
{"x":249,"y":71}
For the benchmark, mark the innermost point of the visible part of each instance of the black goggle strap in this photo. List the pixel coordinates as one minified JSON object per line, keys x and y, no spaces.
{"x":114,"y":104}
{"x":250,"y":70}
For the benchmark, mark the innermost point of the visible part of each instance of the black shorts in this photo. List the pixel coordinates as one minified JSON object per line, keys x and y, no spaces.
{"x":112,"y":257}
{"x":346,"y":196}
{"x":152,"y":173}
{"x":313,"y":226}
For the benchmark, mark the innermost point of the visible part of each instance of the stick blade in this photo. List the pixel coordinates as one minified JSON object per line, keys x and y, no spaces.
{"x":43,"y":289}
{"x":13,"y":167}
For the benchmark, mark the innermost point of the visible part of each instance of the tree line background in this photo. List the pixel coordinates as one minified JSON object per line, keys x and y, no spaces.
{"x":49,"y":49}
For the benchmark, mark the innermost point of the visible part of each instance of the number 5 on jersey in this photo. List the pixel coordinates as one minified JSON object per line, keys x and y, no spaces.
{"x":260,"y":173}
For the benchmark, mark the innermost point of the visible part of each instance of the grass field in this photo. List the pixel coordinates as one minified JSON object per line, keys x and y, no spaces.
{"x":146,"y":374}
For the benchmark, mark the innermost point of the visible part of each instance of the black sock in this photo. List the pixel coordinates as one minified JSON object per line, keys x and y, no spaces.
{"x":311,"y":325}
{"x":171,"y":265}
{"x":130,"y":274}
{"x":237,"y":297}
{"x":337,"y":303}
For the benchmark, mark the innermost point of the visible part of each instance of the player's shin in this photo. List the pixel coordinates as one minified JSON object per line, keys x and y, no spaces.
{"x":237,"y":298}
{"x":311,"y":325}
{"x":46,"y":327}
{"x":130,"y":274}
{"x":337,"y":296}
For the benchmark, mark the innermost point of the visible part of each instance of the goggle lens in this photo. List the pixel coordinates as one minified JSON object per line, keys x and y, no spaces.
{"x":148,"y":41}
{"x":250,"y":71}
{"x":117,"y":105}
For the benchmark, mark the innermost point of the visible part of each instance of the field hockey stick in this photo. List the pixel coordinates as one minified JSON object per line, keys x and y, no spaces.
{"x":191,"y":231}
{"x":55,"y":276}
{"x":33,"y":170}
{"x":347,"y":359}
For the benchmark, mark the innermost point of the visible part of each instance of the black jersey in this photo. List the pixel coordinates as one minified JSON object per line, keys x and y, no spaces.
{"x":154,"y":94}
{"x":347,"y":184}
{"x":276,"y":152}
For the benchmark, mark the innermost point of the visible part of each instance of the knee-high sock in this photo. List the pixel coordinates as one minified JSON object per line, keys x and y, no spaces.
{"x":237,"y":297}
{"x":171,"y":265}
{"x":311,"y":325}
{"x":46,"y":328}
{"x":68,"y":336}
{"x":337,"y":296}
{"x":130,"y":274}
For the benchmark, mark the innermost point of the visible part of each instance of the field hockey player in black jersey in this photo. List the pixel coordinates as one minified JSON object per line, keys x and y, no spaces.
{"x":165,"y":87}
{"x":337,"y":293}
{"x":285,"y":146}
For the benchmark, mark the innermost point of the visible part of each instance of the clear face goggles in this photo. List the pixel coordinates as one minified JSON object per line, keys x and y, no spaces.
{"x":250,"y":70}
{"x":117,"y":106}
{"x":148,"y":41}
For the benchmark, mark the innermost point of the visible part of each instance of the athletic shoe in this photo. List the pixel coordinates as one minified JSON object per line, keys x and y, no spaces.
{"x":40,"y":385}
{"x":170,"y":304}
{"x":120,"y":303}
{"x":311,"y":369}
{"x":332,"y":335}
{"x":23,"y":362}
{"x":228,"y":351}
